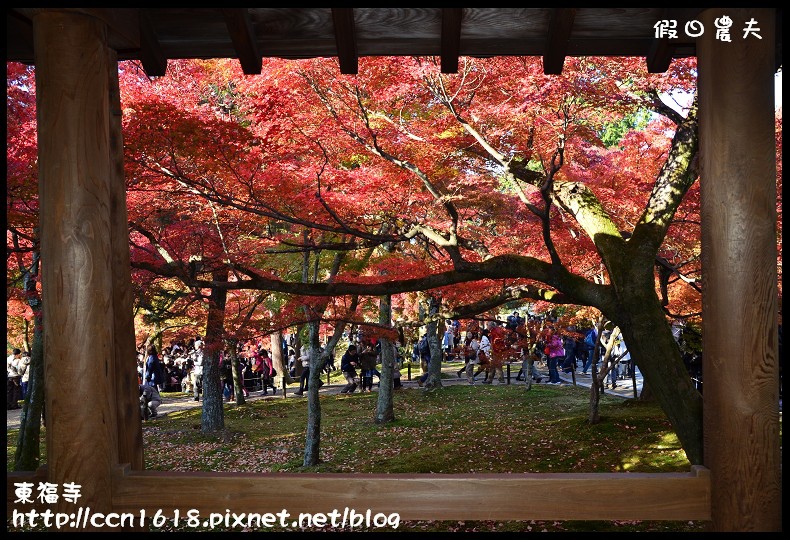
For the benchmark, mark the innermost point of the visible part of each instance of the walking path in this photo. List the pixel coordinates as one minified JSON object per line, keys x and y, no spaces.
{"x":625,"y":389}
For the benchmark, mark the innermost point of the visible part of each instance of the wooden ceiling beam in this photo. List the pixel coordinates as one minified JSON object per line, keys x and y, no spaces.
{"x":122,"y":24}
{"x":662,"y":50}
{"x":345,"y":38}
{"x":557,"y":40}
{"x":451,"y":38}
{"x":778,"y":54}
{"x":241,"y":34}
{"x":151,"y":55}
{"x":659,"y":56}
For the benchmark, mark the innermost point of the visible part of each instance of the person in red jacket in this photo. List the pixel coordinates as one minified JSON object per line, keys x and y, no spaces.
{"x":267,"y":371}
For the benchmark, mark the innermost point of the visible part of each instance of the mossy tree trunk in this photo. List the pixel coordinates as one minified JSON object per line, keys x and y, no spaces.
{"x":313,"y":314}
{"x":385,"y":412}
{"x":213,"y":416}
{"x":434,"y":379}
{"x":313,"y":435}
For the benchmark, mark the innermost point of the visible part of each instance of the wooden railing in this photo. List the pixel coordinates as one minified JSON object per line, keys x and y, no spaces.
{"x":552,"y":496}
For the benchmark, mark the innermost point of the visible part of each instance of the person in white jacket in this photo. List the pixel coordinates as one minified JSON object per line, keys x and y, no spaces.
{"x":621,"y":355}
{"x":13,"y":388}
{"x":197,"y":369}
{"x":24,"y":372}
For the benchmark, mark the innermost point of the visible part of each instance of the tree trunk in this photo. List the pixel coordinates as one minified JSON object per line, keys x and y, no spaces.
{"x":646,"y":394}
{"x":529,"y":370}
{"x":385,"y":411}
{"x":654,"y":350}
{"x":279,"y":363}
{"x":595,"y":399}
{"x":28,"y":347}
{"x":238,"y":377}
{"x":434,"y":379}
{"x":594,"y":416}
{"x":28,"y":449}
{"x":596,"y":385}
{"x":213,"y":416}
{"x":313,"y":437}
{"x":313,"y":315}
{"x":312,"y":443}
{"x":26,"y":457}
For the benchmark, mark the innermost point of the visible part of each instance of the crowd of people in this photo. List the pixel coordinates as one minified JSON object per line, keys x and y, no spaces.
{"x":365,"y":355}
{"x":179,"y":366}
{"x":533,"y":341}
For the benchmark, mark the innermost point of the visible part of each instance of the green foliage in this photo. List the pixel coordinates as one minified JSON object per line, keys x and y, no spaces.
{"x":225,"y":99}
{"x":354,"y":161}
{"x":613,"y":132}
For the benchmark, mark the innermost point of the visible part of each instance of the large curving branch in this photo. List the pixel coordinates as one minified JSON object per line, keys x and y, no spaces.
{"x":674,"y":180}
{"x":575,"y":289}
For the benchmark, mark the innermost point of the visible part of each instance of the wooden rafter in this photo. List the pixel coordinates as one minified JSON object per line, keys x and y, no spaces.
{"x":659,"y":56}
{"x":151,"y":55}
{"x":243,"y":37}
{"x":343,"y":19}
{"x":451,"y":38}
{"x":557,"y":39}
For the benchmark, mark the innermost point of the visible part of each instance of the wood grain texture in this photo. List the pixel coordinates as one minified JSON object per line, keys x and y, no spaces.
{"x":124,"y":358}
{"x":739,"y":266}
{"x":428,"y":496}
{"x":667,"y":496}
{"x":74,"y":171}
{"x":310,"y":32}
{"x":740,"y":295}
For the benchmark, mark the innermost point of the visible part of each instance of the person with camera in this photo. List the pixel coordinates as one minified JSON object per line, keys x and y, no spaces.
{"x":348,"y":365}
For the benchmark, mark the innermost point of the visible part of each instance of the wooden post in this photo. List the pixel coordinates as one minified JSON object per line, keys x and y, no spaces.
{"x":740,"y":294}
{"x":74,"y":175}
{"x":130,"y":431}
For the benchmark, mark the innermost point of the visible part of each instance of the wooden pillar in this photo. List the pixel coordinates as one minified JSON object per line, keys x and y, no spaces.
{"x":74,"y":196}
{"x":740,"y":295}
{"x":130,"y":429}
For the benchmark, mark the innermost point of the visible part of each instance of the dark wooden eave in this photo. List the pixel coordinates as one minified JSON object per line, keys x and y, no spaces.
{"x":155,"y":35}
{"x":559,"y":35}
{"x":343,"y":20}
